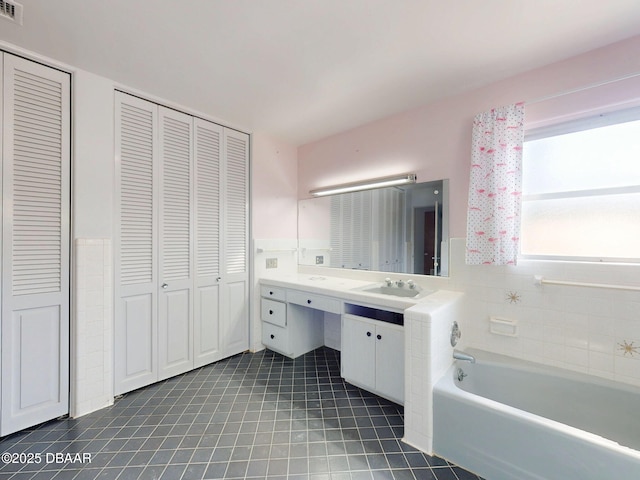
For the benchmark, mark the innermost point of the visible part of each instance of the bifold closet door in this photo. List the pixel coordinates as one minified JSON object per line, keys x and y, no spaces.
{"x":136,"y":272}
{"x":175,"y":253}
{"x":208,"y":141}
{"x":235,"y":308}
{"x":35,"y":244}
{"x":181,"y":276}
{"x":222,"y":280}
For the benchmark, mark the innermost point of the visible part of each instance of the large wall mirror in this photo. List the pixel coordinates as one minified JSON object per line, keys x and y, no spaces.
{"x":402,"y":229}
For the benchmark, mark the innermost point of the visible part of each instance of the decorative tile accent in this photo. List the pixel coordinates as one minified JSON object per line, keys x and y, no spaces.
{"x":513,"y":297}
{"x":628,"y":348}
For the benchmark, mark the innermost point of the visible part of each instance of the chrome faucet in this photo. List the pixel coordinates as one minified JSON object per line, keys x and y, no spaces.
{"x":458,"y":355}
{"x":400,"y":283}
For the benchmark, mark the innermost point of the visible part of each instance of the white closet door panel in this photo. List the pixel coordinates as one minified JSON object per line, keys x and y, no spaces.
{"x":35,"y":244}
{"x":38,"y":357}
{"x":236,"y":209}
{"x":207,"y":346}
{"x":137,"y":352}
{"x":175,"y":240}
{"x":208,"y":144}
{"x":235,"y":317}
{"x":175,"y":333}
{"x":136,"y":277}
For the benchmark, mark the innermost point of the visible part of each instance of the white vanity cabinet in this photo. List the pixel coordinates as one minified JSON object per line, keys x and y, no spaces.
{"x":288,"y":327}
{"x":371,"y":335}
{"x":373,"y":356}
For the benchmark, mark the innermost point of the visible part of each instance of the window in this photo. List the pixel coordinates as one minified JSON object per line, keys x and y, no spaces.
{"x":581,"y":190}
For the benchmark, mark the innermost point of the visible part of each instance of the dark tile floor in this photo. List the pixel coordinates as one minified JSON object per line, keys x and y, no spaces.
{"x":252,"y":416}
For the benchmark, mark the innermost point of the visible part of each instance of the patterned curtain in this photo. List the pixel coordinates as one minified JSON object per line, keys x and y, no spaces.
{"x":493,"y":216}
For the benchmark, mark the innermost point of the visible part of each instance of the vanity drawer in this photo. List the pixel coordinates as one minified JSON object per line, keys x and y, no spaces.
{"x":276,"y":338}
{"x":311,"y":300}
{"x":274,"y":312}
{"x":275,"y":293}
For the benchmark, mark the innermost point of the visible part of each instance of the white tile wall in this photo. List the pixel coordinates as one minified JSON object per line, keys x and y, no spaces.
{"x":92,"y":371}
{"x":577,"y":328}
{"x":428,"y":355}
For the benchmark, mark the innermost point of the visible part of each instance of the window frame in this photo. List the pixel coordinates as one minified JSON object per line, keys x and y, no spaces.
{"x":574,"y":126}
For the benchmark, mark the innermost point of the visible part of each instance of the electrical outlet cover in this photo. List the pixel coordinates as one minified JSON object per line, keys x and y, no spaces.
{"x":272,"y":263}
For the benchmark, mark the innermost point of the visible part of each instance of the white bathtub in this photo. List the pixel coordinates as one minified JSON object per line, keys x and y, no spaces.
{"x":515,"y":420}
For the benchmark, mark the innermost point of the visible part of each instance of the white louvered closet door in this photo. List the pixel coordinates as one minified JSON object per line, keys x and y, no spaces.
{"x":235,"y":278}
{"x":35,"y":244}
{"x":136,"y":276}
{"x":181,"y":275}
{"x":175,"y":316}
{"x":208,"y":140}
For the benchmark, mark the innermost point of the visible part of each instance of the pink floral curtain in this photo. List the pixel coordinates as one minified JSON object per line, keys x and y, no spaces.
{"x":493,"y":216}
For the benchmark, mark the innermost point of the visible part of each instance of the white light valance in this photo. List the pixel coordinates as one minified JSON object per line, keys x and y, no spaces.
{"x":365,"y":185}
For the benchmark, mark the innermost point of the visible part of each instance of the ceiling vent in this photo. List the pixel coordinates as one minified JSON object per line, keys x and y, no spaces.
{"x":10,"y":10}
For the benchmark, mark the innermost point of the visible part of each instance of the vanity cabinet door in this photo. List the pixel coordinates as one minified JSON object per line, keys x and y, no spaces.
{"x":373,"y":356}
{"x":390,"y":362}
{"x":358,"y":356}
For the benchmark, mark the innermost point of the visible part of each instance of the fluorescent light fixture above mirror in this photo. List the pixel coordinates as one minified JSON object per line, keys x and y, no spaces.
{"x":405,"y":179}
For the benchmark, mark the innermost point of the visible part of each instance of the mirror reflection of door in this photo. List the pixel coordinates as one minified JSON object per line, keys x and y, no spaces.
{"x":427,"y":238}
{"x":430,"y":233}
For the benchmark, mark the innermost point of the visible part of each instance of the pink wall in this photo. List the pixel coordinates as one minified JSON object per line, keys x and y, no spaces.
{"x":434,"y":140}
{"x":274,"y":188}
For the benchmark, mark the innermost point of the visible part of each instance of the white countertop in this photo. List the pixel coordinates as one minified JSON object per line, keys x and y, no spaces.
{"x":346,"y":289}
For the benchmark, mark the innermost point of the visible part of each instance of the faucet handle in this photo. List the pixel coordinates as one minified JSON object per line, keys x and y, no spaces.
{"x":388,"y":281}
{"x":411,"y":284}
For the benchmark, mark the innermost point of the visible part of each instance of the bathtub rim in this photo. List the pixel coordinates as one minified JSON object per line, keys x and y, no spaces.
{"x":497,"y":359}
{"x":448,"y":387}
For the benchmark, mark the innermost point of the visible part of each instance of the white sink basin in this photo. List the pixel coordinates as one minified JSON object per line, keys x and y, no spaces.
{"x":404,"y":292}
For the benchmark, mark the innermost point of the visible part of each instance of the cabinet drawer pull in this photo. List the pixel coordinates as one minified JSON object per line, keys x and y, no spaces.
{"x":309,"y":302}
{"x":368,"y":334}
{"x":270,"y":293}
{"x":270,"y":312}
{"x":272,"y":336}
{"x":379,"y":337}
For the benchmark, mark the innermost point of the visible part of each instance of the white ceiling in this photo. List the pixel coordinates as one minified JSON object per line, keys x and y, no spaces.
{"x":304,"y":69}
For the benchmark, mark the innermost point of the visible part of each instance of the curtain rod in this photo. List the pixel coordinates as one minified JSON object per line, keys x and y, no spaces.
{"x":581,"y":89}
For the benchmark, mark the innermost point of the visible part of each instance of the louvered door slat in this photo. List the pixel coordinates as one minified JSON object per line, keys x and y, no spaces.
{"x":207,"y":163}
{"x":136,"y":194}
{"x":176,"y":198}
{"x":37,"y":212}
{"x":237,"y":147}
